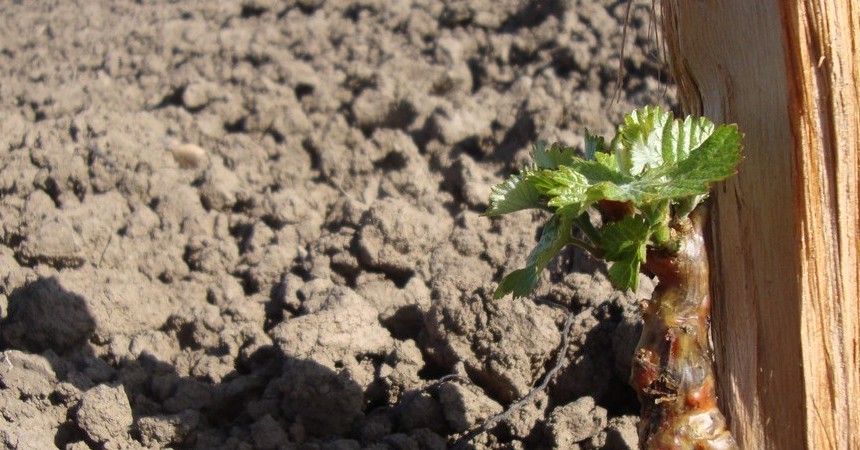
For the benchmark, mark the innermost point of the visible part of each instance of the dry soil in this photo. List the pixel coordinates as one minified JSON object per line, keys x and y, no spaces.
{"x":257,"y":224}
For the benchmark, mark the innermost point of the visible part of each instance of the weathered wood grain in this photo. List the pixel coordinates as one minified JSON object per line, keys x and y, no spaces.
{"x":787,"y":229}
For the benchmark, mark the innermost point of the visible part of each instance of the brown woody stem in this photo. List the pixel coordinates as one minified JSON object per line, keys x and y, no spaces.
{"x":673,"y":370}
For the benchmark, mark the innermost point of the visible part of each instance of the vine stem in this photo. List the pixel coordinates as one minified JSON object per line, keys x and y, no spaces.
{"x":673,"y":368}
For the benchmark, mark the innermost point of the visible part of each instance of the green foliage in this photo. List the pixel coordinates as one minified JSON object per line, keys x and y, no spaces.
{"x":551,"y":158}
{"x":556,"y":234}
{"x":625,"y":243}
{"x":637,"y":145}
{"x":513,"y":194}
{"x":658,"y":166}
{"x":593,"y":145}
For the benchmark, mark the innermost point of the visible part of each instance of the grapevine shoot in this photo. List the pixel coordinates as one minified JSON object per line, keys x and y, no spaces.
{"x":637,"y":202}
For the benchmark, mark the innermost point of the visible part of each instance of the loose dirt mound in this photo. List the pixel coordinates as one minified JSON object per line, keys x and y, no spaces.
{"x":256,"y":224}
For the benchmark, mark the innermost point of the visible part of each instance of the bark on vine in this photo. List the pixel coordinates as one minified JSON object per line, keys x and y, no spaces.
{"x":673,"y":368}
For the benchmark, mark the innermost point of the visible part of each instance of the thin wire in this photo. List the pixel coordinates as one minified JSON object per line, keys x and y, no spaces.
{"x":619,"y":80}
{"x":561,"y":358}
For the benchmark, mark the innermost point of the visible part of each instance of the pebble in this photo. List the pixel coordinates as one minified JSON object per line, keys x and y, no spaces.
{"x":189,"y":156}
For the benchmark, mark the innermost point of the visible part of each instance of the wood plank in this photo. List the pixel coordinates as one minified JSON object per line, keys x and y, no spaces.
{"x":824,"y":36}
{"x":787,"y":229}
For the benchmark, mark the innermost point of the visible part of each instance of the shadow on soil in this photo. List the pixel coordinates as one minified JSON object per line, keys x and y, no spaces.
{"x":265,"y":393}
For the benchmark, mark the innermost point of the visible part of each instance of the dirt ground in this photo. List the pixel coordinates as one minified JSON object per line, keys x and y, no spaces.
{"x":257,"y":223}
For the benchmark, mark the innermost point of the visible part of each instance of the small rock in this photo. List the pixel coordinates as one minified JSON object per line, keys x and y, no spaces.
{"x":428,"y":440}
{"x":197,"y":95}
{"x":575,"y":422}
{"x":53,"y":242}
{"x":465,"y":407}
{"x":375,"y":108}
{"x":60,"y":311}
{"x":165,"y":430}
{"x":471,"y":181}
{"x":376,"y":426}
{"x":189,"y":394}
{"x":522,"y":422}
{"x":189,"y":156}
{"x":30,"y":375}
{"x":268,"y":433}
{"x":44,"y":315}
{"x":312,"y":393}
{"x":105,"y":414}
{"x":396,"y":236}
{"x":621,"y":434}
{"x":341,"y":325}
{"x":220,"y":188}
{"x":420,"y":410}
{"x":399,"y":309}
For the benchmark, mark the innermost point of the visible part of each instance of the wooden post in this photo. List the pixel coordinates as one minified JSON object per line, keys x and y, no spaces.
{"x":787,"y":229}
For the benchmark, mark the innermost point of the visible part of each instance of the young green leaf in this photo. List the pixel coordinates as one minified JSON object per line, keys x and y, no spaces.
{"x":552,"y":157}
{"x":556,"y":234}
{"x":513,"y":194}
{"x":624,"y":274}
{"x":520,"y":282}
{"x":660,"y":167}
{"x":637,"y":145}
{"x":658,"y":215}
{"x":681,"y":137}
{"x":714,"y":160}
{"x":565,"y":186}
{"x":686,"y":205}
{"x":573,"y":189}
{"x":593,"y":145}
{"x":625,"y":243}
{"x":607,"y":160}
{"x":625,"y":237}
{"x":596,"y":172}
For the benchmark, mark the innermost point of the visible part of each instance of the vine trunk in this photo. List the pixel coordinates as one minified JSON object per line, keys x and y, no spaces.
{"x":673,"y":368}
